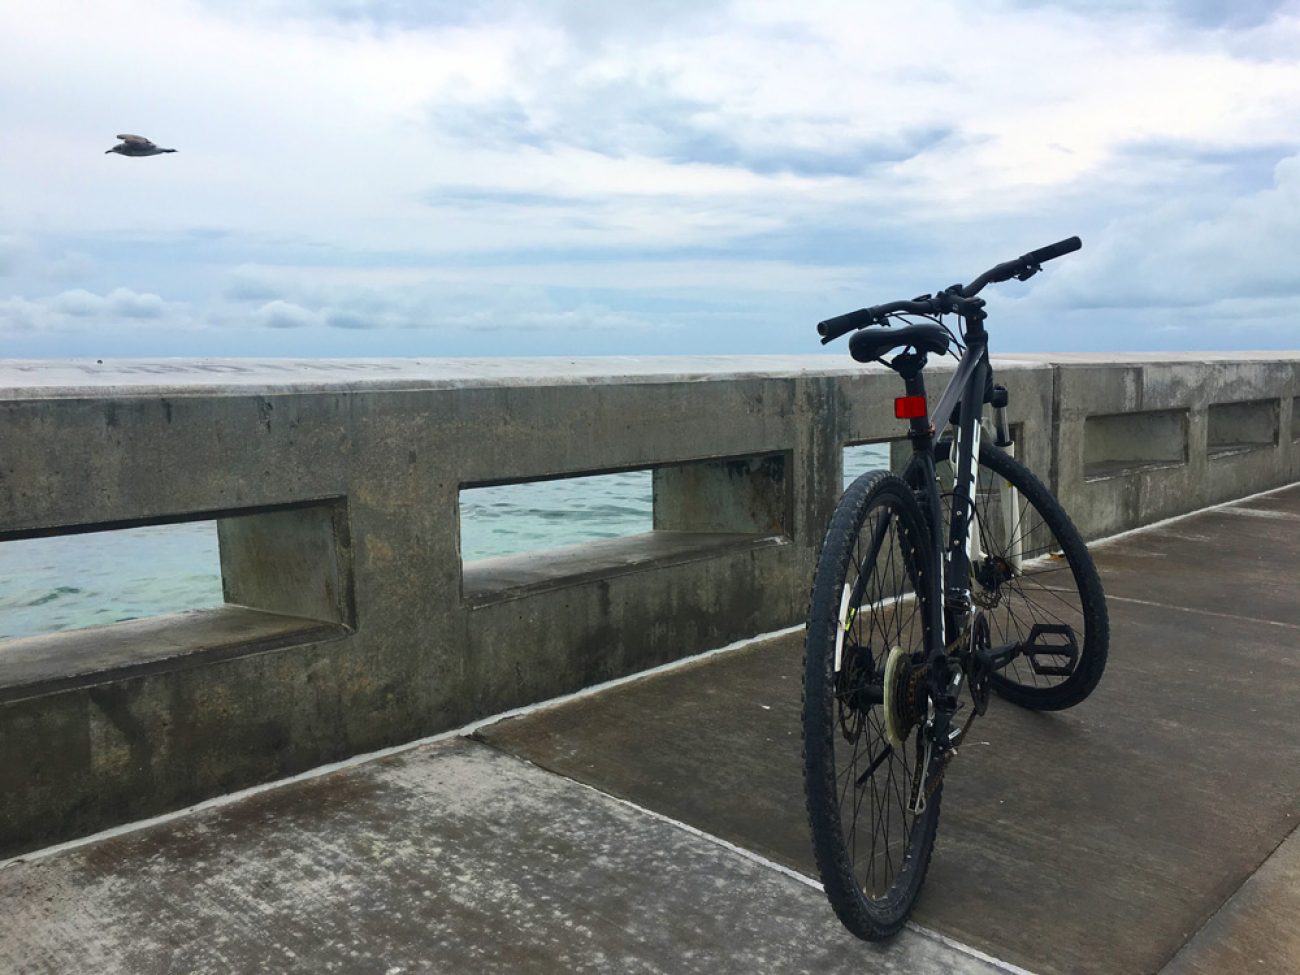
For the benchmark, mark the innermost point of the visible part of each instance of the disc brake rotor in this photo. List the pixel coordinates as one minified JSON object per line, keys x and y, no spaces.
{"x":991,"y":574}
{"x":853,"y":686}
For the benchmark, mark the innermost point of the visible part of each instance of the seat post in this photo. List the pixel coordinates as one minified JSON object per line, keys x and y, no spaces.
{"x":909,"y":365}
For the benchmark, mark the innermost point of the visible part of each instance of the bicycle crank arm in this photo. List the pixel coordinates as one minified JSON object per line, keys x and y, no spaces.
{"x":996,"y":658}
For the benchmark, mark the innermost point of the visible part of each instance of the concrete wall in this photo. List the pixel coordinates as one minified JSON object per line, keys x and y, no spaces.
{"x":1139,"y":439}
{"x":351,"y":622}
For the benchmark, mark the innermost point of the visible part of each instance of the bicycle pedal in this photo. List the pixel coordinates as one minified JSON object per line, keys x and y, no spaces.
{"x":1039,"y":644}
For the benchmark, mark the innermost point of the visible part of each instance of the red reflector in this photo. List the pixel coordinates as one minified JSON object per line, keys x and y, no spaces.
{"x":907,"y":407}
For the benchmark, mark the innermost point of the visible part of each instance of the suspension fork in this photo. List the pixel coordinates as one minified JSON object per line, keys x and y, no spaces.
{"x":1008,"y":495}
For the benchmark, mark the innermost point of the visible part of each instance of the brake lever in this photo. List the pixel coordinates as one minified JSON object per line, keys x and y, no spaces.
{"x":1029,"y":271}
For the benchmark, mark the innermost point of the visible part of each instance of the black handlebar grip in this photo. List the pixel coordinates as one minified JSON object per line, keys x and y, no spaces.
{"x":833,"y":328}
{"x":1059,"y":249}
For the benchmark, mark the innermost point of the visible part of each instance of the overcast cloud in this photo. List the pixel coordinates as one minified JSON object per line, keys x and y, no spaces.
{"x":552,"y":177}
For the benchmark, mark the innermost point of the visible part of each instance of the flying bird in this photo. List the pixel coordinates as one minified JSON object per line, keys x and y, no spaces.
{"x":136,"y":145}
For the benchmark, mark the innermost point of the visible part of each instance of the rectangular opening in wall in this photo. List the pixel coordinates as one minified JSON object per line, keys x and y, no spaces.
{"x":68,"y":582}
{"x":530,"y":536}
{"x":1123,"y":443}
{"x":890,"y":455}
{"x":1235,"y":428}
{"x":86,"y":603}
{"x":528,"y":516}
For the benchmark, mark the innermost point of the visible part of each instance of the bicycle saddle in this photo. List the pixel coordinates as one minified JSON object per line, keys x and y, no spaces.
{"x":872,"y":343}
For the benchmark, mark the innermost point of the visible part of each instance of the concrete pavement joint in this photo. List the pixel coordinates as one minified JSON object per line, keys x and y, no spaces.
{"x":1295,"y":832}
{"x":1256,"y":513}
{"x":469,"y":729}
{"x":586,"y":692}
{"x":780,"y":868}
{"x":964,"y":948}
{"x":464,"y":731}
{"x":672,"y":665}
{"x":1107,"y":539}
{"x":1203,"y":612}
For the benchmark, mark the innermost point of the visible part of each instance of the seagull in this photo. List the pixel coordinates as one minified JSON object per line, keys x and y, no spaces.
{"x":136,"y":145}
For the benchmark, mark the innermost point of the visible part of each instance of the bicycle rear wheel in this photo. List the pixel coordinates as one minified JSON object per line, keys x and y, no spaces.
{"x":867,"y":761}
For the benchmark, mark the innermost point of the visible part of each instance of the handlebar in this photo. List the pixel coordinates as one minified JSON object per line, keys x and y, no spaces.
{"x":833,"y":328}
{"x":1023,"y":267}
{"x":955,"y":299}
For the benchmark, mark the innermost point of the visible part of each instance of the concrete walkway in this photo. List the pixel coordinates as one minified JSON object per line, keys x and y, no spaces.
{"x":658,"y":826}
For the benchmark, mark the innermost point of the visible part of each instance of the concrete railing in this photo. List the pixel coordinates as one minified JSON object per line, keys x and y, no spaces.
{"x":351,"y":622}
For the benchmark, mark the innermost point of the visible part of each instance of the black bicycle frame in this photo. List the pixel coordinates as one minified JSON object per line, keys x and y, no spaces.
{"x":962,"y":402}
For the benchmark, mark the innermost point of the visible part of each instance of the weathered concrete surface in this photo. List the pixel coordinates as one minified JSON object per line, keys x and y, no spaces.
{"x":1246,"y":543}
{"x":37,"y":666}
{"x":1255,"y":931}
{"x":1094,"y":840}
{"x":449,"y":858}
{"x":336,"y":486}
{"x":1192,"y":387}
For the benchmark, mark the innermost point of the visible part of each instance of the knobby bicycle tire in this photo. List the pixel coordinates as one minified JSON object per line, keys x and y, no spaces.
{"x":874,"y":555}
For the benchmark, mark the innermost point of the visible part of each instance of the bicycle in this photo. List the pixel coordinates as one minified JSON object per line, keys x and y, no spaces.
{"x":961,"y":578}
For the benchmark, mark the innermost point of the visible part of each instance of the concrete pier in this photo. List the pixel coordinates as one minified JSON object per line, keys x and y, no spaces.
{"x":657,"y":825}
{"x":351,"y":620}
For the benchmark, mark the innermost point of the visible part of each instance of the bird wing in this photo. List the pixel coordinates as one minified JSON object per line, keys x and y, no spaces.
{"x":135,"y":140}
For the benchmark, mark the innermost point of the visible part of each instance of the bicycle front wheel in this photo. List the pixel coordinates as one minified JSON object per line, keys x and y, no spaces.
{"x":869,"y":780}
{"x":1035,"y":583}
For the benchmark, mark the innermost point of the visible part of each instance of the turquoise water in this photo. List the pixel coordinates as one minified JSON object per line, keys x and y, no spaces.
{"x":62,"y":583}
{"x":51,"y":584}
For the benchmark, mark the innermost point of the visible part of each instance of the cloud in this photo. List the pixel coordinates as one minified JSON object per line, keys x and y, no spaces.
{"x":245,"y":288}
{"x":15,"y":249}
{"x":285,"y":314}
{"x":431,"y":305}
{"x":350,"y":169}
{"x":1186,"y":254}
{"x":1212,"y":14}
{"x":583,"y":22}
{"x":119,"y":303}
{"x":82,"y":310}
{"x":629,"y":118}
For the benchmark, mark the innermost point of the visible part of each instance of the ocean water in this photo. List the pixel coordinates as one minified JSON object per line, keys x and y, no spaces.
{"x":72,"y":581}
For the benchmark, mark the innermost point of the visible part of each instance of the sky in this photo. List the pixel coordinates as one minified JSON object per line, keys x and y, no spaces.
{"x":552,"y":177}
